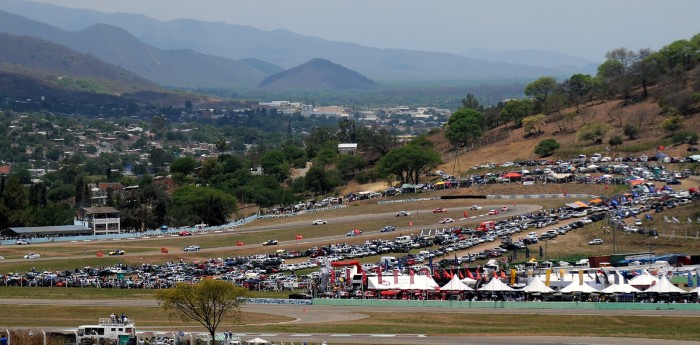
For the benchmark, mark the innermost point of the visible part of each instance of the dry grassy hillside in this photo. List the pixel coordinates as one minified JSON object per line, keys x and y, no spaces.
{"x":515,"y":146}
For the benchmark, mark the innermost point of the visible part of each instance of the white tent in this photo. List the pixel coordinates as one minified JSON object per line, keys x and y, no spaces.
{"x":620,"y":288}
{"x":575,"y":287}
{"x":696,"y":291}
{"x":257,"y":341}
{"x":664,"y":286}
{"x":420,"y":282}
{"x":536,"y":285}
{"x":456,"y":285}
{"x":644,"y":279}
{"x":496,"y":285}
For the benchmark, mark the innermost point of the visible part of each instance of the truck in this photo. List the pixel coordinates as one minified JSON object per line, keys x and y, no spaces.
{"x":486,"y":226}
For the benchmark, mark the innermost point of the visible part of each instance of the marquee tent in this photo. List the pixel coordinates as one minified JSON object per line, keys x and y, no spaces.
{"x":536,"y":285}
{"x":496,"y":285}
{"x":620,"y":288}
{"x":455,"y":284}
{"x":644,"y":279}
{"x":420,"y":282}
{"x":257,"y":341}
{"x":575,"y":287}
{"x":664,"y":287}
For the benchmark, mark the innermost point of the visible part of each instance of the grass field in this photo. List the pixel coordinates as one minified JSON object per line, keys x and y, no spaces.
{"x":455,"y":324}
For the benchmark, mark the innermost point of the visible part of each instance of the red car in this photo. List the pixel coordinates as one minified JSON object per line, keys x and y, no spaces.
{"x":439,"y":210}
{"x":504,"y":208}
{"x":184,"y":233}
{"x":493,"y":212}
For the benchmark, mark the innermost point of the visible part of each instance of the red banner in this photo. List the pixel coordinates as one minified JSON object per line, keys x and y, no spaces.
{"x":396,"y":277}
{"x":410,"y":276}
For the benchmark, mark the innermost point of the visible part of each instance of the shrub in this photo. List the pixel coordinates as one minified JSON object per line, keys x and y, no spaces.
{"x":631,"y":131}
{"x":546,"y":147}
{"x":615,"y":141}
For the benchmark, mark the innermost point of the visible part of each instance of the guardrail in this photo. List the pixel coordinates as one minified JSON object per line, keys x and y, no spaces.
{"x":383,"y":202}
{"x":292,"y":214}
{"x":541,"y":196}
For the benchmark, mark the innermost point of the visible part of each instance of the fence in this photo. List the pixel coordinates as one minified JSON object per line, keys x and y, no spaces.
{"x":541,"y":196}
{"x":141,"y":234}
{"x":508,"y":304}
{"x":292,"y":214}
{"x":383,"y":202}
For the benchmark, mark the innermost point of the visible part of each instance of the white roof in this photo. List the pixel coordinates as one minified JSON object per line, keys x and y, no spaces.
{"x":620,"y":288}
{"x":645,"y":279}
{"x":537,"y":285}
{"x":664,"y":286}
{"x":455,"y":284}
{"x":420,"y":282}
{"x":496,"y":285}
{"x":575,"y":287}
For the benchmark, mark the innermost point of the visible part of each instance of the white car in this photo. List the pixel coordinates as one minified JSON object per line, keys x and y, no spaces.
{"x":20,"y":242}
{"x":319,"y":222}
{"x":475,"y":207}
{"x":192,"y":248}
{"x":446,"y":220}
{"x":32,"y":256}
{"x":594,"y":242}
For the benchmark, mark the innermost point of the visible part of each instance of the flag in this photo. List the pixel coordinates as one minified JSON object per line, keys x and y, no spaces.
{"x":396,"y":277}
{"x":512,"y":276}
{"x":605,"y":277}
{"x":379,"y":275}
{"x":456,"y":261}
{"x":503,"y":274}
{"x":461,"y":276}
{"x":690,"y":280}
{"x":411,"y":276}
{"x":332,"y":277}
{"x":478,"y":274}
{"x":386,"y":265}
{"x":469,"y":273}
{"x":364,"y":278}
{"x":430,"y":262}
{"x":495,"y":274}
{"x":436,"y":274}
{"x":547,"y":277}
{"x":348,"y":278}
{"x":617,"y":278}
{"x":597,"y":279}
{"x":164,"y":250}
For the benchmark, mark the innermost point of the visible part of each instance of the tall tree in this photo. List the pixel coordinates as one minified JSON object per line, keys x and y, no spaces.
{"x":208,"y":302}
{"x":464,"y":126}
{"x":470,"y":102}
{"x":540,"y":89}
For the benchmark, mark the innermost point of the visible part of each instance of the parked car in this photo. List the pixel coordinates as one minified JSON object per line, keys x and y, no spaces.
{"x":493,"y":212}
{"x":270,"y":243}
{"x":21,"y":242}
{"x":192,"y":248}
{"x":403,"y":214}
{"x":32,"y":256}
{"x":446,"y":220}
{"x":439,"y":210}
{"x":319,"y":222}
{"x":116,"y":252}
{"x":595,"y":241}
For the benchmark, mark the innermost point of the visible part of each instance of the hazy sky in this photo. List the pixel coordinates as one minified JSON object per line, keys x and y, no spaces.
{"x":585,"y":28}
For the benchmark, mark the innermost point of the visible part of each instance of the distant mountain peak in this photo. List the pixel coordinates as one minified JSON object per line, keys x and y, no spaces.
{"x":318,"y":74}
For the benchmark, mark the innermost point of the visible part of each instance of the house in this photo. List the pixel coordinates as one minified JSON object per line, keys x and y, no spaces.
{"x":347,"y":149}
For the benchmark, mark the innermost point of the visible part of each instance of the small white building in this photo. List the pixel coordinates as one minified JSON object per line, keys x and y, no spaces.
{"x":347,"y":149}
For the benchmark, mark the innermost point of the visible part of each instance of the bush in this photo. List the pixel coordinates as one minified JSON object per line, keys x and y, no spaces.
{"x":685,"y":137}
{"x":631,"y":131}
{"x":546,"y":147}
{"x":615,"y":141}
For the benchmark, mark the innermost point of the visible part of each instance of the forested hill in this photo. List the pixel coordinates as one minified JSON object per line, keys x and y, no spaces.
{"x":36,"y":56}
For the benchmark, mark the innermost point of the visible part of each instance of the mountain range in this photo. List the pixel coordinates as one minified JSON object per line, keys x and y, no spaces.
{"x":211,"y":42}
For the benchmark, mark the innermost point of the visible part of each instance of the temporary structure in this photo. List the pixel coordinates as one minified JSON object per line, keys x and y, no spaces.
{"x":664,"y":287}
{"x":644,"y":279}
{"x":575,"y":287}
{"x":620,"y":288}
{"x":496,"y":285}
{"x":257,"y":341}
{"x":455,"y":284}
{"x":403,"y":282}
{"x":536,"y":285}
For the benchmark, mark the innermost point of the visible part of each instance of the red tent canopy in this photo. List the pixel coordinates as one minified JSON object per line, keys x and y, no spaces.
{"x":512,"y":174}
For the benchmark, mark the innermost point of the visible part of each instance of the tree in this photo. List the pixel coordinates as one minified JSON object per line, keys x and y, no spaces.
{"x":540,"y":90}
{"x":470,"y":102}
{"x":631,"y":131}
{"x":516,"y":110}
{"x":407,"y":163}
{"x":546,"y":147}
{"x":593,"y":132}
{"x":577,"y":88}
{"x":463,"y":126}
{"x":533,"y":124}
{"x":672,"y":124}
{"x":615,"y":141}
{"x":183,"y":165}
{"x":194,"y":205}
{"x":208,"y":302}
